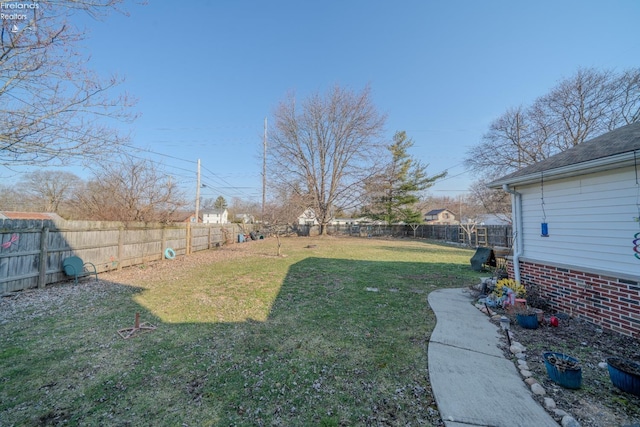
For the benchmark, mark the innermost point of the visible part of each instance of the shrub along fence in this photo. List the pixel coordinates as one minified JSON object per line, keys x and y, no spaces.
{"x":32,"y":251}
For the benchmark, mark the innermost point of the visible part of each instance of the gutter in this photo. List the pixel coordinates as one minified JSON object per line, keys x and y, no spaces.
{"x":616,"y":161}
{"x":516,"y":213}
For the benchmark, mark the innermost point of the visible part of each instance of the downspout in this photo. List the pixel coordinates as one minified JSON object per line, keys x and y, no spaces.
{"x":516,"y":214}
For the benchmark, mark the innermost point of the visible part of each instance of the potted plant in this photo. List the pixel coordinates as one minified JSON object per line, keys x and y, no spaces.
{"x":509,"y":293}
{"x":540,"y":314}
{"x":624,"y":374}
{"x":562,"y":369}
{"x":527,"y":317}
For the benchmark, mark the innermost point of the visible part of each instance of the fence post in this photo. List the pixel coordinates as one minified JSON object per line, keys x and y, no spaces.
{"x":209,"y":239}
{"x":44,"y":238}
{"x":187,"y":250}
{"x":163,"y":242}
{"x":120,"y":246}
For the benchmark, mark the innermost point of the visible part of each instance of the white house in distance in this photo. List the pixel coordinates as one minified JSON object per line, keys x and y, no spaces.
{"x":308,"y":217}
{"x":489,"y":219}
{"x":215,"y":216}
{"x":577,"y":229}
{"x":244,"y":218}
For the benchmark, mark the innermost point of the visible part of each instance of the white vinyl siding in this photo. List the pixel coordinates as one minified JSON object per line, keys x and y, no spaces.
{"x":215,"y":217}
{"x":590,"y":219}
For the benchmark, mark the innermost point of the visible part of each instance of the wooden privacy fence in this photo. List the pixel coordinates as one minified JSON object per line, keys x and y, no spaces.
{"x":32,"y":251}
{"x":480,"y":235}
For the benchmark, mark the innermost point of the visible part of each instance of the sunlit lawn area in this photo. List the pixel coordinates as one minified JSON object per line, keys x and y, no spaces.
{"x":332,"y":334}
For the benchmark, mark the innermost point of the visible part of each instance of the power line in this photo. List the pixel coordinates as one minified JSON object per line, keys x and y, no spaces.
{"x":225,"y":181}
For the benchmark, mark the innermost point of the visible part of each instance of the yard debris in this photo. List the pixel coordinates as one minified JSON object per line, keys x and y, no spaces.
{"x":127,"y":333}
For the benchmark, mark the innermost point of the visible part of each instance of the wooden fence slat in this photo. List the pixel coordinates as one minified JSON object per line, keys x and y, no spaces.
{"x":44,"y":240}
{"x":32,"y":251}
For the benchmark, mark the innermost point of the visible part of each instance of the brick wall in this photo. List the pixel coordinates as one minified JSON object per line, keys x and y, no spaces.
{"x":610,"y":302}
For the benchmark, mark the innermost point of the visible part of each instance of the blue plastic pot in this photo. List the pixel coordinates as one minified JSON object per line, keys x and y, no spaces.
{"x":625,"y":381}
{"x":568,"y":378}
{"x":527,"y":321}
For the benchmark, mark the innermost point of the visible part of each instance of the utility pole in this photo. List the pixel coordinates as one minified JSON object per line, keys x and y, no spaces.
{"x":198,"y":193}
{"x":264,"y":170}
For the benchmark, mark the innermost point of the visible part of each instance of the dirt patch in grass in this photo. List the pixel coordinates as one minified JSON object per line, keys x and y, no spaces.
{"x":161,"y":269}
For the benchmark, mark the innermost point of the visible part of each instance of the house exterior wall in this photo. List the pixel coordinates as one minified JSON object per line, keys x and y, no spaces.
{"x":586,"y":266}
{"x":590,"y":221}
{"x":214,"y":218}
{"x":308,"y":217}
{"x":608,"y":301}
{"x":442,"y":218}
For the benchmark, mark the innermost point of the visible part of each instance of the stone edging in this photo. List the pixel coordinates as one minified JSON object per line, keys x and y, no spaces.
{"x":519,"y":352}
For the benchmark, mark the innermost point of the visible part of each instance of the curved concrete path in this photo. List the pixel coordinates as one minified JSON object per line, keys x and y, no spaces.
{"x":472,"y":381}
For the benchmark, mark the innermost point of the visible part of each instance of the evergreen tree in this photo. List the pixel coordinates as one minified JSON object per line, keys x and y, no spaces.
{"x":220,"y":203}
{"x":394,"y":193}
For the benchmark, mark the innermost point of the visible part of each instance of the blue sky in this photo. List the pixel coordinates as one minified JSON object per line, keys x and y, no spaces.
{"x":207,"y":73}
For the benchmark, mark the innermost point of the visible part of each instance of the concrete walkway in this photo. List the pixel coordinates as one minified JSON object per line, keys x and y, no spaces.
{"x":472,"y":381}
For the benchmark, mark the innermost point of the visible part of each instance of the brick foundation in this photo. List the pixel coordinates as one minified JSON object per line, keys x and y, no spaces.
{"x":610,"y":302}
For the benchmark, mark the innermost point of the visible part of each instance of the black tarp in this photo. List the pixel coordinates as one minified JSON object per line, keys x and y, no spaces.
{"x":483,"y":256}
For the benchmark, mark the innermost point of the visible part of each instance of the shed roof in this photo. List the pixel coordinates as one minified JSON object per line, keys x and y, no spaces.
{"x":28,"y":215}
{"x":608,"y":151}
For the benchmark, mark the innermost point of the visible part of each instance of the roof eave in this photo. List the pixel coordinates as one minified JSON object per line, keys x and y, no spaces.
{"x":597,"y":165}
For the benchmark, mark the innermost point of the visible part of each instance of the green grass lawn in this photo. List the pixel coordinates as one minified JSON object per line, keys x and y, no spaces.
{"x":331,"y":335}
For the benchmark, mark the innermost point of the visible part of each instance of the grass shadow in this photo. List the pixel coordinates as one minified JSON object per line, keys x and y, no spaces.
{"x":343,"y":342}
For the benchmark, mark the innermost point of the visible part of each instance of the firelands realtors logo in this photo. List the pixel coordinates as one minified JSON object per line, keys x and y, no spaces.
{"x":17,"y":12}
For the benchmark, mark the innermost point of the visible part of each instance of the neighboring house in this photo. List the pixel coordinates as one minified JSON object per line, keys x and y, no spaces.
{"x":440,"y":217}
{"x":29,"y":215}
{"x":348,"y":221}
{"x":308,"y":217}
{"x":577,"y":231}
{"x":491,"y":219}
{"x":192,"y":218}
{"x":184,"y":217}
{"x":215,"y":216}
{"x":244,"y":218}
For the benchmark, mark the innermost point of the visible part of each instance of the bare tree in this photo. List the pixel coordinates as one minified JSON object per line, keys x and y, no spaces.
{"x":509,"y":143}
{"x":327,"y":145}
{"x":132,"y":190}
{"x":581,"y":107}
{"x":49,"y":189}
{"x":286,"y":205}
{"x":53,"y":109}
{"x":242,"y":207}
{"x":11,"y":199}
{"x":495,"y":202}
